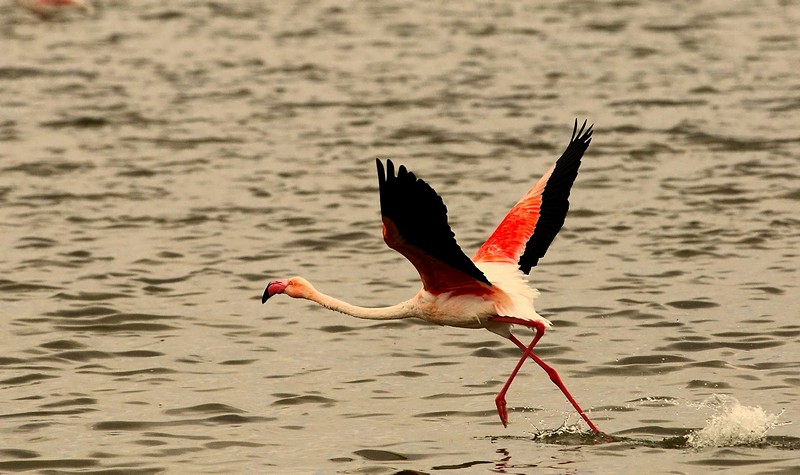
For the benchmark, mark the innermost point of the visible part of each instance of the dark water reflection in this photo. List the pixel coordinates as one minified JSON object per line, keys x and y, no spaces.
{"x":160,"y":161}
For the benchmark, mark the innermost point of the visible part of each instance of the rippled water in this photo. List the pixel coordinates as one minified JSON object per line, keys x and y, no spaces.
{"x":160,"y":161}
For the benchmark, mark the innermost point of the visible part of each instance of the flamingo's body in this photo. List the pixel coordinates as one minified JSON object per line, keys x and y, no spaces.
{"x":47,"y":8}
{"x":488,"y":291}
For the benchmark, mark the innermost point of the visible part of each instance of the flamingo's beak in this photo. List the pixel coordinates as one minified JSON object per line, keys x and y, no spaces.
{"x":274,"y":287}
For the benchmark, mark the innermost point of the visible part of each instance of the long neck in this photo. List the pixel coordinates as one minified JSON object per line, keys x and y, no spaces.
{"x":402,"y":310}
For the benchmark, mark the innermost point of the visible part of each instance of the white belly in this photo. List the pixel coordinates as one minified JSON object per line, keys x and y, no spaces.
{"x":513,"y":299}
{"x":465,"y":311}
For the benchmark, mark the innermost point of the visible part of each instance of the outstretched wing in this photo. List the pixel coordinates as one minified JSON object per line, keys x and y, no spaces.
{"x":528,"y":229}
{"x":415,"y":225}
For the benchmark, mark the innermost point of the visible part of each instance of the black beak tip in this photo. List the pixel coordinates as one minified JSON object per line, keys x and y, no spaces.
{"x":265,"y":296}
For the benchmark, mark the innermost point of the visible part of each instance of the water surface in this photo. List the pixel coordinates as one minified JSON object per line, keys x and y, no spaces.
{"x":159,"y":162}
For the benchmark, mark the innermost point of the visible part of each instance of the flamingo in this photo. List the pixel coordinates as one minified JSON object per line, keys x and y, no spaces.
{"x":488,"y":291}
{"x":47,"y":8}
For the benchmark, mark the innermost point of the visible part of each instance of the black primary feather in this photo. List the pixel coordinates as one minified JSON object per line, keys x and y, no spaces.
{"x":555,"y":198}
{"x":421,"y":218}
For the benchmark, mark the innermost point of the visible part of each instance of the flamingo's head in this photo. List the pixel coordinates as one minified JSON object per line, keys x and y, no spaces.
{"x":296,"y":287}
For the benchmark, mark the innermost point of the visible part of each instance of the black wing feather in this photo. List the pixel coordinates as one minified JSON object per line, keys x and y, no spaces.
{"x":421,"y":218}
{"x":555,"y":198}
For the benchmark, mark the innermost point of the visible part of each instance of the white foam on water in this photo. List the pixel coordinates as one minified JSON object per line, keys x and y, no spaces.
{"x":733,"y":424}
{"x":564,"y":430}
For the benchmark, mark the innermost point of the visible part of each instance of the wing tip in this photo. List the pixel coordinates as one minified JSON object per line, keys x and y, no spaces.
{"x":583,"y":135}
{"x":379,"y":164}
{"x":386,"y":174}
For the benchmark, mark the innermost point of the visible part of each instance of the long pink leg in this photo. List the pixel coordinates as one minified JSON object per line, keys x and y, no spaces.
{"x":500,"y":400}
{"x":554,"y":377}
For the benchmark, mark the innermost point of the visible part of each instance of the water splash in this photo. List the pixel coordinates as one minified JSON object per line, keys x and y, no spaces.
{"x":569,"y":434}
{"x":565,"y":429}
{"x":733,"y":424}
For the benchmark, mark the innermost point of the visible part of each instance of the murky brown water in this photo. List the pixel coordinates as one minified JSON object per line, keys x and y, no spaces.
{"x":161,"y":161}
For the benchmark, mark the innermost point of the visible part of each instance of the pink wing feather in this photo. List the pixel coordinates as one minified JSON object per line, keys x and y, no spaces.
{"x":507,"y":242}
{"x":528,"y":229}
